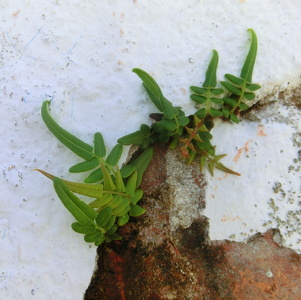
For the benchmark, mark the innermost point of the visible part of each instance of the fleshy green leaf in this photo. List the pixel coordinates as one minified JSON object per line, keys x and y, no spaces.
{"x":210,"y":80}
{"x":217,"y":100}
{"x":82,"y":212}
{"x":234,"y":79}
{"x":95,"y":176}
{"x":76,"y":145}
{"x":141,"y":163}
{"x":231,"y":88}
{"x":216,"y":91}
{"x":114,"y":155}
{"x":108,"y":183}
{"x":135,"y":138}
{"x":119,"y":181}
{"x":151,"y":86}
{"x":215,"y":113}
{"x":99,"y":145}
{"x":169,"y":125}
{"x":127,"y":170}
{"x":247,"y":69}
{"x":243,"y":106}
{"x":234,"y":118}
{"x":117,"y":200}
{"x":79,"y":188}
{"x":131,"y":184}
{"x":201,"y":113}
{"x":84,"y":166}
{"x":230,"y":101}
{"x":136,"y":210}
{"x":198,"y":99}
{"x":249,"y":96}
{"x":103,"y":217}
{"x":79,"y":228}
{"x":99,"y":202}
{"x":253,"y":86}
{"x":121,"y":207}
{"x":199,"y":90}
{"x":137,"y":196}
{"x":97,"y":237}
{"x":183,"y":121}
{"x":123,"y":220}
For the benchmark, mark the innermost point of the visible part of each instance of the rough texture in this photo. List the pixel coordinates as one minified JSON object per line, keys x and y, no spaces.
{"x":157,"y":260}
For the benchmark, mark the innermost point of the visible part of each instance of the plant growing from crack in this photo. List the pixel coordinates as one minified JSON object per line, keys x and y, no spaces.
{"x":116,"y":191}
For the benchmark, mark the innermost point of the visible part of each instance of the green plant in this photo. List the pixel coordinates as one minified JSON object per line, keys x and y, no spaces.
{"x":116,"y":191}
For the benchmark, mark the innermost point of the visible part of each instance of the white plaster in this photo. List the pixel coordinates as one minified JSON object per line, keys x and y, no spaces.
{"x":80,"y":55}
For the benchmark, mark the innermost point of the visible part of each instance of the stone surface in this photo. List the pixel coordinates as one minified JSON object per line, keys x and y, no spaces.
{"x":158,"y":260}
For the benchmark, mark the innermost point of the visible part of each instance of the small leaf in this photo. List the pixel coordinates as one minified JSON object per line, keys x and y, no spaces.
{"x":247,"y":69}
{"x":169,"y":125}
{"x":131,"y":184}
{"x":76,"y":145}
{"x":201,"y":114}
{"x":79,"y":228}
{"x":141,"y":163}
{"x":119,"y":181}
{"x":242,"y":106}
{"x":215,"y":113}
{"x":230,"y":101}
{"x":110,"y":227}
{"x":135,"y":138}
{"x":126,"y":210}
{"x":99,"y":202}
{"x":108,"y":183}
{"x":136,"y":211}
{"x":202,"y":163}
{"x":123,"y":220}
{"x":79,"y":188}
{"x":183,"y":121}
{"x":99,"y":240}
{"x":210,"y":80}
{"x":211,"y":168}
{"x":234,"y":118}
{"x":114,"y":155}
{"x":249,"y":96}
{"x":169,"y":111}
{"x":234,"y":79}
{"x":95,"y":176}
{"x":127,"y":170}
{"x":84,"y":166}
{"x":191,"y":157}
{"x":221,"y":167}
{"x":231,"y":88}
{"x":199,"y":90}
{"x":99,"y":145}
{"x":151,"y":86}
{"x":121,"y":207}
{"x":82,"y":212}
{"x":137,"y":196}
{"x":97,"y":237}
{"x":117,"y":200}
{"x":198,"y":99}
{"x":253,"y":86}
{"x":103,"y":217}
{"x":226,"y":113}
{"x":216,"y":91}
{"x":217,"y":100}
{"x":113,"y":237}
{"x":174,"y":143}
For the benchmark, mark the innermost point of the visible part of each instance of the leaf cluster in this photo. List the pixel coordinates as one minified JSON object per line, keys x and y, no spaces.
{"x":115,"y":192}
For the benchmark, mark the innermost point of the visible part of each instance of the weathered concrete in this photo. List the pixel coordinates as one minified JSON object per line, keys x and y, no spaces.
{"x":159,"y":260}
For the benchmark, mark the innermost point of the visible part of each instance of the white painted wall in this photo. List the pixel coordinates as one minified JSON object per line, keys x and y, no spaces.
{"x":80,"y":54}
